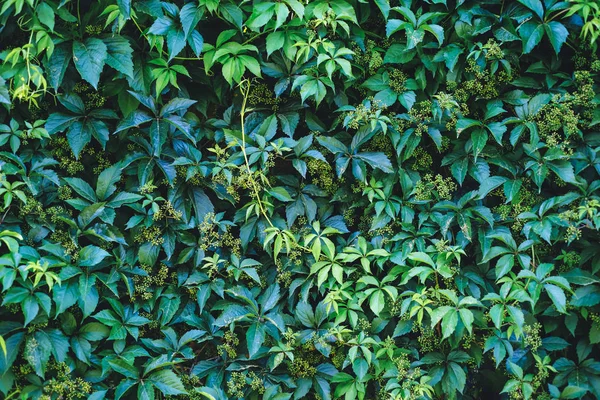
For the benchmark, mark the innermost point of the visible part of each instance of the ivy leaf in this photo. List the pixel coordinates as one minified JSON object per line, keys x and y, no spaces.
{"x":535,"y":6}
{"x":449,"y":323}
{"x":275,"y":41}
{"x":533,"y":38}
{"x":91,"y":255}
{"x":167,"y":382}
{"x":255,"y":337}
{"x":557,"y":33}
{"x":89,"y":57}
{"x":479,"y":137}
{"x":125,"y":8}
{"x":37,"y":352}
{"x":557,"y":295}
{"x":376,"y":160}
{"x":4,"y":94}
{"x":89,"y":297}
{"x":119,"y":54}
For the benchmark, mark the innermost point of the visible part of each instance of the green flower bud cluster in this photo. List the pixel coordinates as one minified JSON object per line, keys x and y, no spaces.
{"x":468,"y":341}
{"x":370,"y":59}
{"x":403,"y":365}
{"x":147,"y":188}
{"x":32,"y":207}
{"x":34,"y":327}
{"x":236,"y":385}
{"x":22,"y":370}
{"x":284,"y":277}
{"x":151,"y":327}
{"x":322,"y":175}
{"x":428,"y":185}
{"x":493,"y":50}
{"x":381,"y":143}
{"x":94,"y":100}
{"x":363,"y":324}
{"x":63,"y":154}
{"x":102,"y":163}
{"x":152,"y":234}
{"x":483,"y":85}
{"x":210,"y":237}
{"x":81,"y":87}
{"x":256,"y":383}
{"x":375,"y":62}
{"x":572,"y":233}
{"x":525,"y":200}
{"x":570,"y":260}
{"x":412,"y":387}
{"x":64,"y":192}
{"x":66,"y":242}
{"x":397,"y":80}
{"x":262,"y":95}
{"x":93,"y":30}
{"x":584,"y":56}
{"x":420,"y":115}
{"x":143,"y":284}
{"x":556,"y":121}
{"x":427,"y":339}
{"x":167,"y":212}
{"x":63,"y":386}
{"x":532,"y":336}
{"x":422,"y":160}
{"x":56,"y":212}
{"x":229,"y":346}
{"x":300,"y":368}
{"x":338,"y":358}
{"x":348,"y":216}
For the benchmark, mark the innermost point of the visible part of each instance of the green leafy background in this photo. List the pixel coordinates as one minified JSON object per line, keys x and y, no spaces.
{"x":286,"y":199}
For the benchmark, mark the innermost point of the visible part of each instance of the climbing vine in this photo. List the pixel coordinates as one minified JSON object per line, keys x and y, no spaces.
{"x":216,"y":199}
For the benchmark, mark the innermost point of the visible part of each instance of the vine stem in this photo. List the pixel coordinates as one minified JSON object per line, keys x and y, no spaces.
{"x":245,"y":89}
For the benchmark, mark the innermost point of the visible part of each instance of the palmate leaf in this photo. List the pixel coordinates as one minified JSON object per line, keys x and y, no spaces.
{"x":440,"y":185}
{"x":89,"y":57}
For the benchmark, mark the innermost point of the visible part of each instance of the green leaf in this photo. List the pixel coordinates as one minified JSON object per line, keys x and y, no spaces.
{"x":280,"y":194}
{"x":255,"y":337}
{"x":167,"y":382}
{"x":479,"y":138}
{"x":594,"y":335}
{"x":168,"y":308}
{"x":533,"y":39}
{"x":89,"y":297}
{"x":89,"y":57}
{"x":557,"y":33}
{"x":106,"y":181}
{"x":449,"y":323}
{"x":422,"y":258}
{"x":535,"y":6}
{"x":37,"y":352}
{"x":275,"y":41}
{"x":119,"y":54}
{"x":377,"y":302}
{"x":82,"y":188}
{"x":45,"y":14}
{"x":78,"y":136}
{"x":557,"y":295}
{"x":398,"y":54}
{"x":91,"y":256}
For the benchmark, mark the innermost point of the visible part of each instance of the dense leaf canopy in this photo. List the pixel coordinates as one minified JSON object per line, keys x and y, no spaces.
{"x":286,"y":199}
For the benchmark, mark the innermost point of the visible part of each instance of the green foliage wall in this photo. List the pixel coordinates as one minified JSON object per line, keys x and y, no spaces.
{"x":286,"y":199}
